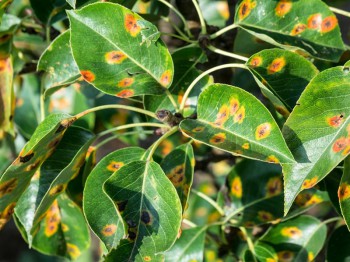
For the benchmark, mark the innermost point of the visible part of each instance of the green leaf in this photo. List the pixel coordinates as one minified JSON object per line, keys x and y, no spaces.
{"x":150,"y":206}
{"x":58,"y":63}
{"x":281,"y":75}
{"x":216,"y":12}
{"x":41,"y":145}
{"x":179,"y":168}
{"x":45,"y":10}
{"x":308,"y":26}
{"x":254,"y":203}
{"x":52,"y":178}
{"x":189,"y":247}
{"x":27,"y":111}
{"x":299,"y":239}
{"x":332,"y":182}
{"x":317,"y":131}
{"x":344,"y":192}
{"x":6,"y":97}
{"x":3,"y":5}
{"x":125,"y":68}
{"x":100,"y":211}
{"x":338,"y":248}
{"x":235,"y":121}
{"x":79,"y":3}
{"x":62,"y":232}
{"x":185,"y":62}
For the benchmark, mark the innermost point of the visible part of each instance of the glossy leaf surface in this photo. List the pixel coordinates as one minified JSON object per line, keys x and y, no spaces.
{"x":151,"y":208}
{"x":317,"y":131}
{"x":41,"y":145}
{"x":52,"y":178}
{"x":189,"y":247}
{"x":299,"y":239}
{"x":100,"y":211}
{"x":62,"y":232}
{"x":178,"y":166}
{"x":58,"y":63}
{"x":235,"y":121}
{"x":185,"y":62}
{"x":308,"y":25}
{"x":282,"y":73}
{"x":121,"y":66}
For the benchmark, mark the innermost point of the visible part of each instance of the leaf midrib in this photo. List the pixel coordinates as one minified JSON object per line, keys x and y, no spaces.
{"x":75,"y":16}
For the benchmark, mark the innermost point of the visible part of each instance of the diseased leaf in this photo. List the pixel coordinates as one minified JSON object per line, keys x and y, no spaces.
{"x":338,"y":248}
{"x":178,"y":166}
{"x":282,"y":76}
{"x":151,"y":208}
{"x":62,"y":231}
{"x":317,"y":131}
{"x":254,"y":203}
{"x":125,"y":68}
{"x":332,"y":182}
{"x":306,"y":26}
{"x":100,"y":211}
{"x":235,"y":121}
{"x":299,"y":239}
{"x":344,"y":192}
{"x":58,"y":63}
{"x":52,"y":178}
{"x":9,"y":25}
{"x":215,"y":12}
{"x":185,"y":62}
{"x":7,"y":105}
{"x":41,"y":145}
{"x":80,"y":3}
{"x":189,"y":247}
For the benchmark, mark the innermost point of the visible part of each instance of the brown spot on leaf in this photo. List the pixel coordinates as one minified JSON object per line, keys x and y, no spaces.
{"x":73,"y":251}
{"x":255,"y":61}
{"x":335,"y":121}
{"x":291,"y":232}
{"x":109,"y":230}
{"x":8,"y":186}
{"x":265,"y":216}
{"x":122,"y":205}
{"x":131,"y":26}
{"x":115,"y":166}
{"x":222,"y":115}
{"x":115,"y":57}
{"x":273,"y":186}
{"x":314,"y":21}
{"x":57,"y":189}
{"x":126,"y":82}
{"x":340,"y":144}
{"x":262,"y":131}
{"x":236,"y":187}
{"x":146,"y":217}
{"x":239,"y":116}
{"x":27,"y":157}
{"x":344,"y":191}
{"x":272,"y":159}
{"x":245,"y":9}
{"x":177,"y":175}
{"x":198,"y":129}
{"x":126,"y":93}
{"x":218,"y":138}
{"x":234,"y":105}
{"x":165,"y":79}
{"x":283,"y":7}
{"x":308,"y":183}
{"x":88,"y":75}
{"x":298,"y":29}
{"x":276,"y":66}
{"x":328,"y":24}
{"x":53,"y":218}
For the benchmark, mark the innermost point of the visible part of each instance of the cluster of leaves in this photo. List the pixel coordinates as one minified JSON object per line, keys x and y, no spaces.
{"x":260,"y":165}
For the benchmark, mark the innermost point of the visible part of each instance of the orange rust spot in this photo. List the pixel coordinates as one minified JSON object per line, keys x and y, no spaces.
{"x":115,"y":166}
{"x":298,"y":29}
{"x":198,"y":129}
{"x":115,"y":57}
{"x":310,"y":256}
{"x":57,"y":189}
{"x":328,"y":24}
{"x":126,"y":93}
{"x":109,"y":230}
{"x":222,"y":115}
{"x":276,"y":65}
{"x":255,"y":61}
{"x":245,"y":146}
{"x":272,"y":159}
{"x":167,"y":146}
{"x":273,"y":186}
{"x":236,"y":187}
{"x":218,"y":138}
{"x":347,"y":149}
{"x":263,"y":131}
{"x":285,"y":256}
{"x":344,"y":191}
{"x":340,"y":144}
{"x":6,"y":214}
{"x":307,"y":199}
{"x":335,"y":121}
{"x":291,"y":232}
{"x":73,"y":251}
{"x":126,"y":82}
{"x":131,"y":25}
{"x":8,"y":186}
{"x":271,"y":259}
{"x":53,"y":219}
{"x":65,"y":228}
{"x":165,"y":79}
{"x":147,"y":258}
{"x":283,"y":7}
{"x":234,"y":105}
{"x":240,"y":115}
{"x":177,"y":175}
{"x":265,"y":216}
{"x":88,"y":75}
{"x":308,"y":183}
{"x":314,"y":21}
{"x":245,"y":9}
